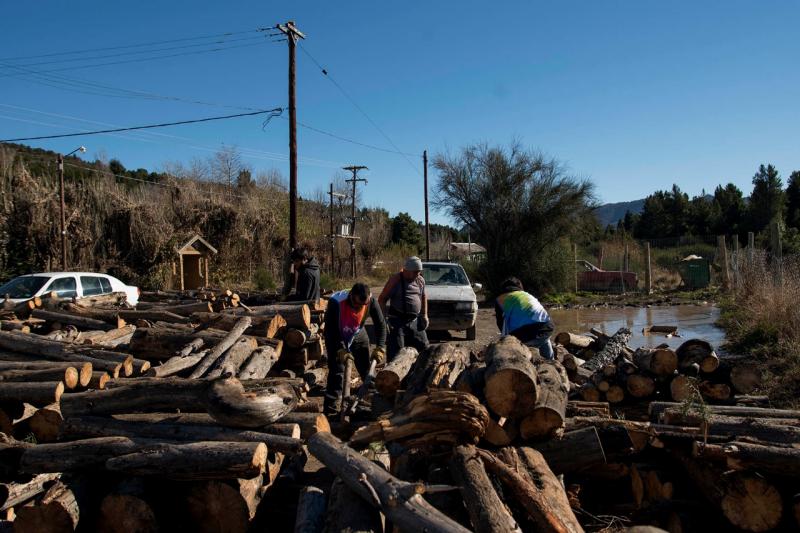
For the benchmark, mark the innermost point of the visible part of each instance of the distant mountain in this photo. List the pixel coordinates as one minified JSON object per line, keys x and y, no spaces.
{"x":612,"y":213}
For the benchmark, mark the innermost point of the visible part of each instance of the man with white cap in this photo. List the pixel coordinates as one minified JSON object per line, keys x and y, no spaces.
{"x":406,"y":306}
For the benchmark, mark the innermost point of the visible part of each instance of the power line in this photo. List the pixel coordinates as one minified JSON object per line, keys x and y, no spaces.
{"x":355,"y":104}
{"x":275,"y":112}
{"x":139,"y":60}
{"x":152,"y":43}
{"x":351,"y":141}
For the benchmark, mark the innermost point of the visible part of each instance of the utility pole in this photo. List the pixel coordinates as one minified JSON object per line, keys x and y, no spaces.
{"x":354,"y":180}
{"x":63,"y":216}
{"x":427,"y":224}
{"x":333,"y":231}
{"x":292,"y":34}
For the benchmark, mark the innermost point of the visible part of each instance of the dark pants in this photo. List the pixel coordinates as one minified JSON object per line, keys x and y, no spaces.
{"x":360,"y":350}
{"x":404,"y":333}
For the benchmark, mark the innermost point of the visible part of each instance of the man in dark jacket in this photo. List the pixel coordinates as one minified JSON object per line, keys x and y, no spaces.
{"x":306,"y":271}
{"x":520,"y":314}
{"x":347,"y":339}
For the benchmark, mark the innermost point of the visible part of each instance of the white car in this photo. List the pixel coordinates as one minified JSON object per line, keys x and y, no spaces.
{"x":66,"y":285}
{"x":452,"y":304}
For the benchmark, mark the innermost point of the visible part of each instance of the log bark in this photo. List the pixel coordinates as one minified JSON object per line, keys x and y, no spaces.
{"x":747,"y":500}
{"x":577,"y":450}
{"x":195,"y":461}
{"x":437,"y":368}
{"x":316,"y":377}
{"x":229,"y":404}
{"x":311,"y":507}
{"x":261,"y":326}
{"x":310,"y":423}
{"x":215,"y":506}
{"x":388,"y":379}
{"x":223,"y":345}
{"x":76,"y":456}
{"x":57,"y":511}
{"x":125,"y":513}
{"x":68,"y":375}
{"x":401,"y":502}
{"x":164,"y":341}
{"x":258,"y":365}
{"x":534,"y":486}
{"x":583,"y":408}
{"x":547,"y":418}
{"x":573,"y":341}
{"x":45,"y":423}
{"x":204,"y":419}
{"x":296,"y":316}
{"x":86,"y":427}
{"x":511,"y":381}
{"x":614,"y":347}
{"x":777,"y":461}
{"x":188,"y":309}
{"x":501,"y":432}
{"x":113,"y":338}
{"x":80,"y":322}
{"x":347,"y":513}
{"x":658,"y":361}
{"x":230,"y":362}
{"x":34,"y":393}
{"x":18,"y":344}
{"x":13,"y":494}
{"x":697,"y":351}
{"x":487,"y":512}
{"x":162,"y":395}
{"x":657,"y":408}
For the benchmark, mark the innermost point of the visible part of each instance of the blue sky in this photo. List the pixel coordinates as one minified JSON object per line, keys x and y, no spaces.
{"x":634,"y":95}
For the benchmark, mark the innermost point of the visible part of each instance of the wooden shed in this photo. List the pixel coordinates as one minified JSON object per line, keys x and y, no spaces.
{"x":193,"y":259}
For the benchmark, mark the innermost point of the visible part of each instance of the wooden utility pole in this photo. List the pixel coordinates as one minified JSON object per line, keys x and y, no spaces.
{"x":63,"y":216}
{"x":736,"y":260}
{"x":427,"y":224}
{"x":292,"y":34}
{"x":723,"y":255}
{"x":575,"y":264}
{"x":333,"y":229}
{"x":354,"y":180}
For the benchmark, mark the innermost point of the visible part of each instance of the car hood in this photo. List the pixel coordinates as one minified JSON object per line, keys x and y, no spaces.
{"x":450,"y":293}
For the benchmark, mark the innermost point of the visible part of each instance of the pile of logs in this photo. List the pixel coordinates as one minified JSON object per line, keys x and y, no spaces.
{"x":175,"y":415}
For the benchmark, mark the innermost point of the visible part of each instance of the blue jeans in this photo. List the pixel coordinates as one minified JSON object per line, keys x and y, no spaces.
{"x":544,"y":346}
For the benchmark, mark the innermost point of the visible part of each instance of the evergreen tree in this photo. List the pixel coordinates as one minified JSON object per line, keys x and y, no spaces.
{"x":405,"y":230}
{"x":793,"y":200}
{"x":730,"y":210}
{"x":767,"y":198}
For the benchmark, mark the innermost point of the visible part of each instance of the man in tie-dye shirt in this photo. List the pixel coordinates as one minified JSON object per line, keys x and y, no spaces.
{"x":520,"y":314}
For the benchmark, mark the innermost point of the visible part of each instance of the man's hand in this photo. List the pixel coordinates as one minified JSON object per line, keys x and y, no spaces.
{"x":343,"y":355}
{"x":379,"y":355}
{"x":423,"y":323}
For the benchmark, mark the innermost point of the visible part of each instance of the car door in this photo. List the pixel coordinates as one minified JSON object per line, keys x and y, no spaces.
{"x":93,"y":286}
{"x":66,"y":287}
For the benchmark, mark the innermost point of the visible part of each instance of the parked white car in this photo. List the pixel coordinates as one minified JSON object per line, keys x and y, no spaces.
{"x":66,"y":285}
{"x":452,"y":304}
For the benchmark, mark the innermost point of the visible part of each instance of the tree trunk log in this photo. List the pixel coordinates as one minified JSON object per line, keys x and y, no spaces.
{"x":232,"y":360}
{"x":437,"y":368}
{"x":577,"y":450}
{"x":164,"y":341}
{"x":125,"y":513}
{"x":511,"y":381}
{"x":401,"y":502}
{"x":531,"y":482}
{"x":316,"y":377}
{"x":89,"y":426}
{"x":347,"y":513}
{"x":547,"y":418}
{"x":68,"y":375}
{"x":162,"y":395}
{"x":388,"y":380}
{"x":223,"y":345}
{"x":772,"y":460}
{"x":80,"y":322}
{"x":13,"y":494}
{"x":658,"y":361}
{"x":58,"y":511}
{"x":697,"y":351}
{"x":261,"y":326}
{"x":284,"y":429}
{"x":39,"y":394}
{"x":229,"y":404}
{"x":296,"y":316}
{"x":487,"y":512}
{"x":658,"y":408}
{"x":75,"y":456}
{"x":195,"y":461}
{"x":311,"y":506}
{"x":615,"y":346}
{"x":215,"y":506}
{"x":640,"y":386}
{"x":747,"y":500}
{"x":571,"y":341}
{"x":258,"y":365}
{"x":20,"y":343}
{"x":176,"y":365}
{"x":310,"y":423}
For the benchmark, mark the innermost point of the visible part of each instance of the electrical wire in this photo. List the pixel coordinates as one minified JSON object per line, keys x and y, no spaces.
{"x":274,"y":112}
{"x":325,"y":73}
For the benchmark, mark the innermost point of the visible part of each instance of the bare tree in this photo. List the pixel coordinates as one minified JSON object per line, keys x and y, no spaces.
{"x":226,"y":165}
{"x":520,"y":206}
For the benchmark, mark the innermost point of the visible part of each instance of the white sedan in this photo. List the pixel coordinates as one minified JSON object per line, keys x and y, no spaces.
{"x":452,"y":304}
{"x":66,"y":285}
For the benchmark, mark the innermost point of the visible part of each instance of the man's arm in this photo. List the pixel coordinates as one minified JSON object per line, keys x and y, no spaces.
{"x":379,"y":323}
{"x":498,"y":315}
{"x":387,"y":291}
{"x":333,"y":338}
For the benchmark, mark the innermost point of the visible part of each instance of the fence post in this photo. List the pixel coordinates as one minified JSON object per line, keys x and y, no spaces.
{"x":735,"y":260}
{"x":648,"y":273}
{"x":777,"y":252}
{"x":626,"y":259}
{"x":723,"y":254}
{"x":751,"y":245}
{"x":575,"y":264}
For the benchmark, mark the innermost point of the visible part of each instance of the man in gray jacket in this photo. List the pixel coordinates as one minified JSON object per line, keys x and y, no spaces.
{"x":406,"y":306}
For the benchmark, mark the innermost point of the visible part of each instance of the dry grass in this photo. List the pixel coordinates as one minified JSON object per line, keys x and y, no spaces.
{"x":762,"y":318}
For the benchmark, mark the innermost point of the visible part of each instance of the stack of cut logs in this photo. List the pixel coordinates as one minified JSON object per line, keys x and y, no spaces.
{"x":198,"y":411}
{"x":171,"y":416}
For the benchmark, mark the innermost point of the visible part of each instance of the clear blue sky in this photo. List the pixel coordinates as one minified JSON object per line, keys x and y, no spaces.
{"x":634,"y":95}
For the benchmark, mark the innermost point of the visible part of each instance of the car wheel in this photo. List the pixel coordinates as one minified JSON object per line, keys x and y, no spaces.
{"x":472,"y":333}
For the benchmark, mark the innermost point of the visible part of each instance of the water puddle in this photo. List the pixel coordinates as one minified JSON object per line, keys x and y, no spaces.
{"x":693,"y":321}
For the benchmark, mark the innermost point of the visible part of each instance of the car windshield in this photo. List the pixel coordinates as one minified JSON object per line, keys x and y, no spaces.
{"x":444,"y":275}
{"x":23,"y":287}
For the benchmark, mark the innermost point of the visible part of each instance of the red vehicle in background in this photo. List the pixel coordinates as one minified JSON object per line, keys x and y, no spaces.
{"x":594,"y":279}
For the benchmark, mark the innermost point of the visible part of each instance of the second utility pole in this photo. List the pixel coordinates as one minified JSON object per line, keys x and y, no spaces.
{"x":354,"y":180}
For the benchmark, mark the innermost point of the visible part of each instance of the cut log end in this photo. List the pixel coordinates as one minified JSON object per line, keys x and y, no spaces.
{"x":752,"y":504}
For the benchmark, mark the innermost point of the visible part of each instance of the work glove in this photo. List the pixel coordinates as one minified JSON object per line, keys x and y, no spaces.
{"x":423,"y":323}
{"x":343,"y":356}
{"x":379,"y":355}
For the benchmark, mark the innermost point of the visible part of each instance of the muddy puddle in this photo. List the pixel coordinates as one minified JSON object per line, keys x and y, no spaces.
{"x":693,"y":321}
